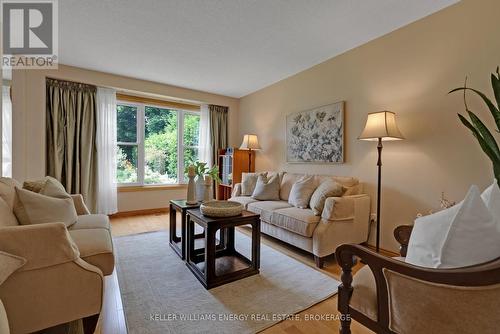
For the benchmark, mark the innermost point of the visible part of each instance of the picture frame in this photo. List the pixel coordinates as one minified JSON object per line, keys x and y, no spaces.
{"x":316,"y":135}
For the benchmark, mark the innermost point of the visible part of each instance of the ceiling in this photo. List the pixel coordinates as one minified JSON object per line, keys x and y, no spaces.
{"x":228,"y":47}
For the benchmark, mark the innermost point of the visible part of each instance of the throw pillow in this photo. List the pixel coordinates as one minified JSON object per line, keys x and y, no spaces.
{"x":54,"y":188}
{"x":34,"y":186}
{"x":248,"y":182}
{"x":267,"y":189}
{"x":327,"y":188}
{"x":491,"y":197}
{"x":7,"y":218}
{"x":302,"y":191}
{"x":32,"y":208}
{"x":8,"y":264}
{"x":463,"y":235}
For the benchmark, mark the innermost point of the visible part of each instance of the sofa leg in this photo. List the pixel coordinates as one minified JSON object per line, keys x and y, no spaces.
{"x":90,"y":323}
{"x":320,"y":261}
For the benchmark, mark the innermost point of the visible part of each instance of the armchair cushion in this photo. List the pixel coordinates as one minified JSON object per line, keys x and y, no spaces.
{"x":7,"y":218}
{"x":96,"y":247}
{"x":463,"y":235}
{"x":473,"y":309}
{"x":8,"y":190}
{"x":32,"y":208}
{"x":8,"y":264}
{"x":364,"y":294}
{"x":85,"y":222}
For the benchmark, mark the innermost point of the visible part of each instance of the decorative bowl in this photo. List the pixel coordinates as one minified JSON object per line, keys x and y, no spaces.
{"x":221,"y":209}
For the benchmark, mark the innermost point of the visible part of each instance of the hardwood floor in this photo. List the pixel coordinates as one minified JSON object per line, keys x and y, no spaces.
{"x":316,"y":319}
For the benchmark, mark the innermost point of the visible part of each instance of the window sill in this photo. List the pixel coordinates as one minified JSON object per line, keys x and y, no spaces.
{"x":128,"y":189}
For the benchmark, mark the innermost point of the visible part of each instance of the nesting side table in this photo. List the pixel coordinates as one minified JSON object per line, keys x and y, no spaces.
{"x":178,"y":243}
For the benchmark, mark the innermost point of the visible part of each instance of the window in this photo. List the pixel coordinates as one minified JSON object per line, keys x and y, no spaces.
{"x":148,"y":139}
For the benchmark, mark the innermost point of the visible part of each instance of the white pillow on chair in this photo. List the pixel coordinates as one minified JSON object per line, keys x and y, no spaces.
{"x":463,"y":235}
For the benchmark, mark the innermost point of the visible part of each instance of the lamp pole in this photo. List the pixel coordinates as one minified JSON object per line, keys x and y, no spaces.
{"x":379,"y":190}
{"x":249,"y":160}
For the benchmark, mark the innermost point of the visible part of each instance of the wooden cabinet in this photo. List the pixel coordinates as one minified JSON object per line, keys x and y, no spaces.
{"x":232,"y":163}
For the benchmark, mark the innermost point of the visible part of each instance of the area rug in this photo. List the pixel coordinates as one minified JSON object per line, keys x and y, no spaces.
{"x":161,"y":295}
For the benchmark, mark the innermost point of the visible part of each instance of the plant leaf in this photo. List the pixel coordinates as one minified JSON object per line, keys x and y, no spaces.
{"x":485,"y":134}
{"x":494,"y":110}
{"x":480,"y":139}
{"x":495,"y":83}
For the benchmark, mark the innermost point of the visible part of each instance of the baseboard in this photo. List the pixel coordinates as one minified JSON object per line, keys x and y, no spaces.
{"x":139,"y":212}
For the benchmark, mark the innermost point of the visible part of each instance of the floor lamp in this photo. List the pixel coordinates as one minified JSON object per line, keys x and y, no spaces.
{"x":380,"y":126}
{"x":250,"y":143}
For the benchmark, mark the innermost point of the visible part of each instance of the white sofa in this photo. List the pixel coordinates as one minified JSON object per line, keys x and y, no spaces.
{"x":344,"y":219}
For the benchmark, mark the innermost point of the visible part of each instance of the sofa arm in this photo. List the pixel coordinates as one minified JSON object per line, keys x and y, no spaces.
{"x":236,"y":190}
{"x":80,"y":207}
{"x":346,"y":208}
{"x":42,"y":245}
{"x":344,"y":220}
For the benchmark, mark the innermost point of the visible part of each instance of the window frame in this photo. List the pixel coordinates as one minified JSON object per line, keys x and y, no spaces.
{"x":140,"y":143}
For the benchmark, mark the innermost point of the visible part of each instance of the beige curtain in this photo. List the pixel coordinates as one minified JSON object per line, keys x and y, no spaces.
{"x":70,"y":138}
{"x":218,"y":129}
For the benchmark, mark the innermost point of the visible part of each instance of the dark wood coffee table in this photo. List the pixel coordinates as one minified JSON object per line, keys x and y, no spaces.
{"x":213,"y":264}
{"x":178,"y":243}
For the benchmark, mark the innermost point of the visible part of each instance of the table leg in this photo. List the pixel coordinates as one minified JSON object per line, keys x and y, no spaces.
{"x":229,"y":239}
{"x":256,"y":244}
{"x":190,"y":239}
{"x":172,"y":222}
{"x":209,"y":254}
{"x":183,"y":234}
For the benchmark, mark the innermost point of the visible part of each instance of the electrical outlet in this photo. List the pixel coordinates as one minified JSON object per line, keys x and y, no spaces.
{"x":373,"y":218}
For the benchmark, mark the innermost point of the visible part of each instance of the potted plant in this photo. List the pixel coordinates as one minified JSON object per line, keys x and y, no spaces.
{"x":485,"y":138}
{"x":201,"y":171}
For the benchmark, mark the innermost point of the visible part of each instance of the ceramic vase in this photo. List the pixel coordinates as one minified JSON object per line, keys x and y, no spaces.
{"x":191,"y":190}
{"x":200,"y":188}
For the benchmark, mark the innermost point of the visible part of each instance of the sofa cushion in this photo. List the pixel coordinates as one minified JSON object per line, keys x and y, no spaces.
{"x":302,"y":191}
{"x":7,"y":217}
{"x":91,"y":221}
{"x":243,"y":200}
{"x":327,"y":188}
{"x":32,"y":208}
{"x":287,"y":181}
{"x":96,"y":248}
{"x":300,"y":221}
{"x":267,"y":188}
{"x":266,"y":208}
{"x":248,"y":182}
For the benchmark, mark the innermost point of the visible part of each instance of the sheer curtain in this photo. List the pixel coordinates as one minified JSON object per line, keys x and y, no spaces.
{"x":6,"y":132}
{"x":205,"y":148}
{"x":107,"y":202}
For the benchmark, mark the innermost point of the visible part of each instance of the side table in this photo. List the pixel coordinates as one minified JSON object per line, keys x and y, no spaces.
{"x":178,"y":243}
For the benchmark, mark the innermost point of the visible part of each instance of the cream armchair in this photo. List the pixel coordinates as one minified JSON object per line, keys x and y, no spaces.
{"x":63,"y":277}
{"x":54,"y":286}
{"x":389,"y":295}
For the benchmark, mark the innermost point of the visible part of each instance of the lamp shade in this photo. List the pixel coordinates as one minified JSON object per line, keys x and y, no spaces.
{"x":381,"y":125}
{"x":250,"y":142}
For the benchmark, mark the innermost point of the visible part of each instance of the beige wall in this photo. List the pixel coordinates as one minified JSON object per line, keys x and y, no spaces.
{"x":408,"y":71}
{"x":29,"y":122}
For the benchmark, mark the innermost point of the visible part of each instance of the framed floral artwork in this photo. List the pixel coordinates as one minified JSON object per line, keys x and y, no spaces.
{"x":316,"y":135}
